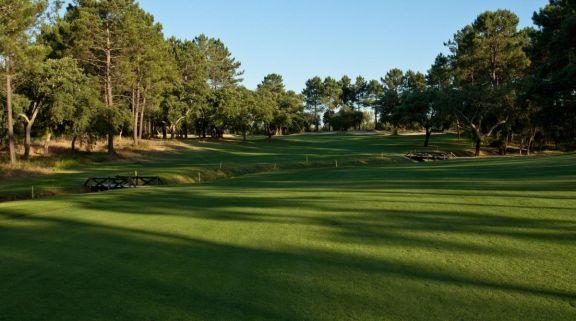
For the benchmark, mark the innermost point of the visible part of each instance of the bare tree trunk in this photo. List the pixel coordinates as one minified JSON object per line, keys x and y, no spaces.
{"x":317,"y":118}
{"x":135,"y":111}
{"x":111,"y":143}
{"x":458,"y":128}
{"x":149,"y":129}
{"x":27,"y":141}
{"x":28,"y":129}
{"x":428,"y":134}
{"x":478,"y":146}
{"x":143,"y":109}
{"x":10,"y":122}
{"x":47,"y":141}
{"x":109,"y":97}
{"x":73,"y":147}
{"x":531,"y":142}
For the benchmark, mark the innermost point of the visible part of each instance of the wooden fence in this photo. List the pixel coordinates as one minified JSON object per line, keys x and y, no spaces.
{"x":99,"y":184}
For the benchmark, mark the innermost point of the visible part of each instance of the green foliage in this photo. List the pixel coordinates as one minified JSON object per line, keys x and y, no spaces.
{"x":209,"y":76}
{"x":348,"y":92}
{"x":345,"y":119}
{"x":332,"y":94}
{"x":17,"y":18}
{"x":390,"y":100}
{"x":119,"y":74}
{"x":489,"y":59}
{"x":551,"y":89}
{"x":313,"y":94}
{"x":286,"y":107}
{"x":245,"y":114}
{"x":374,"y":91}
{"x":18,"y":21}
{"x":360,"y":92}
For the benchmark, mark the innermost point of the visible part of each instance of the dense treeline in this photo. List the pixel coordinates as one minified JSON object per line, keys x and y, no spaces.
{"x":498,"y":84}
{"x":104,"y":68}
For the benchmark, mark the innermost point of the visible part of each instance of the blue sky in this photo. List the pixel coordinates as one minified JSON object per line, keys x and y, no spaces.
{"x":300,"y":39}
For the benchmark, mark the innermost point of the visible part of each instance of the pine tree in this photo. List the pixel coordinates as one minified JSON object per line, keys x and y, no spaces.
{"x":17,"y":18}
{"x":97,"y":33}
{"x":313,"y":98}
{"x":488,"y":57}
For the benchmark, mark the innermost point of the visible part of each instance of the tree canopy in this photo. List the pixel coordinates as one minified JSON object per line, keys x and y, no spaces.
{"x":104,"y":68}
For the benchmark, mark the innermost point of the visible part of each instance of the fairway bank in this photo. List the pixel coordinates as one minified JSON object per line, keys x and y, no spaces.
{"x":181,"y":162}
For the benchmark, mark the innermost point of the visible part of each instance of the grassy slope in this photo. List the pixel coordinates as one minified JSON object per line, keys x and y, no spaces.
{"x":460,"y":240}
{"x":185,"y":160}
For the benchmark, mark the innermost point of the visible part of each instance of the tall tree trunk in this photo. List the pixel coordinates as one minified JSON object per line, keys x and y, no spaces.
{"x":458,"y":128}
{"x":375,"y":118}
{"x":135,"y":111}
{"x":531,"y":142}
{"x":143,"y":109}
{"x":73,"y":147}
{"x":9,"y":121}
{"x":149,"y":129}
{"x":478,"y":146}
{"x":108,"y":90}
{"x":270,"y":132}
{"x":27,"y":140}
{"x":47,"y":141}
{"x":317,"y":118}
{"x":111,"y":142}
{"x":505,"y":147}
{"x":28,"y":129}
{"x":428,"y":134}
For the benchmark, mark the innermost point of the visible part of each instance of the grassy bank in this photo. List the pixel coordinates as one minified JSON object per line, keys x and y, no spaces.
{"x":180,"y":162}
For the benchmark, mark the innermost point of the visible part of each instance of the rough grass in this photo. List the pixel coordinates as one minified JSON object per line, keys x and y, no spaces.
{"x":490,"y":239}
{"x":179,"y":162}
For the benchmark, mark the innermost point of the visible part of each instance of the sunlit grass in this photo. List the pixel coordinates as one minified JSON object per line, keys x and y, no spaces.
{"x":179,"y":162}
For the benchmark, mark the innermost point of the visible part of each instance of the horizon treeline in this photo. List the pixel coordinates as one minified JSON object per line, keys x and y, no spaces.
{"x":105,"y":68}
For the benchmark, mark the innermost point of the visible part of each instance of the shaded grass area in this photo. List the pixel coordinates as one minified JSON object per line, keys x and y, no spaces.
{"x":180,"y":163}
{"x":459,"y":240}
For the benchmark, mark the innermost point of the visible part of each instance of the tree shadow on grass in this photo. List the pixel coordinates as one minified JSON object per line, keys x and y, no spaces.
{"x":229,"y":204}
{"x":300,"y":247}
{"x":73,"y":270}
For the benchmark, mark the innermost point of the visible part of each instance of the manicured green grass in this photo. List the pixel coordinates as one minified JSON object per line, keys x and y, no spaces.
{"x":489,"y":239}
{"x":183,"y":161}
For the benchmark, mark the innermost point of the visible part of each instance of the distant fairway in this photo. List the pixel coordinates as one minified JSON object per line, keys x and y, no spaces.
{"x":181,"y":161}
{"x":488,"y":239}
